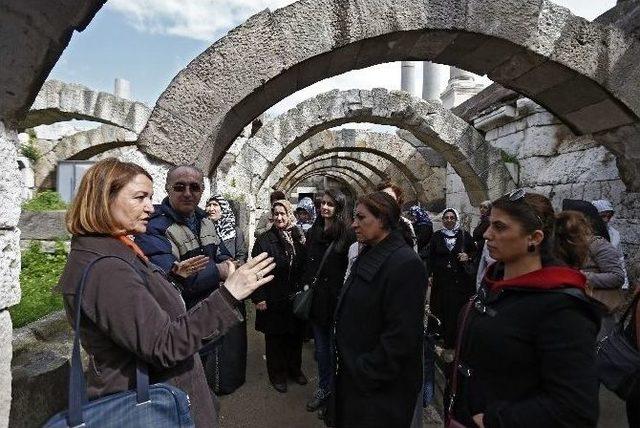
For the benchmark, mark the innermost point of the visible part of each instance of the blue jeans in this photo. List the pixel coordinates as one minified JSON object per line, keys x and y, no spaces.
{"x":322,"y":339}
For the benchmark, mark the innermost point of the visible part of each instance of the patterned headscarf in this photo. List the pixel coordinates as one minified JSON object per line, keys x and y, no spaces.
{"x":226,"y":225}
{"x":420,"y":215}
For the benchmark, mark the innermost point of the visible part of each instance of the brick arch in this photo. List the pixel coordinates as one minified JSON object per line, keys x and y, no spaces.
{"x":60,"y":101}
{"x":480,"y":165}
{"x":578,"y":70}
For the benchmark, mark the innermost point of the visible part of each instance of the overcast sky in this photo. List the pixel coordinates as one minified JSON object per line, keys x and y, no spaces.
{"x":149,"y":41}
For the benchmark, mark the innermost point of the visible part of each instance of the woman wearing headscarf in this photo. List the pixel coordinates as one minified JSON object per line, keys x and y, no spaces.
{"x":226,"y":366}
{"x":274,"y":315}
{"x":307,"y":213}
{"x":451,"y":286}
{"x":224,"y":219}
{"x":423,"y":228}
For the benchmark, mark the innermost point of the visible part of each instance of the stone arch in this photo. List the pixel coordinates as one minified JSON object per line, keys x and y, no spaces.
{"x":373,"y":171}
{"x":351,"y":170}
{"x":479,"y":165}
{"x":367,"y":170}
{"x":336,"y":175}
{"x":576,"y":69}
{"x":59,"y":101}
{"x":383,"y":147}
{"x":80,"y":146}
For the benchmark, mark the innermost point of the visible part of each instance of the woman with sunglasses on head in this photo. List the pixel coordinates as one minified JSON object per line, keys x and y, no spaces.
{"x":332,"y":235}
{"x":284,"y":241}
{"x":527,"y":348}
{"x":449,"y":250}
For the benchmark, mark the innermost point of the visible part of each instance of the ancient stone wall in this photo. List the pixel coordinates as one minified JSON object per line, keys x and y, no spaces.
{"x":546,"y":157}
{"x":10,"y":198}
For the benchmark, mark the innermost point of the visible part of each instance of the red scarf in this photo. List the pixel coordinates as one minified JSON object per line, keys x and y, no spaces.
{"x":547,"y":278}
{"x":133,"y":246}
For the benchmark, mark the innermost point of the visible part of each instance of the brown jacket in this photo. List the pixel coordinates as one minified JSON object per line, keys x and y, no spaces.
{"x":126,"y":319}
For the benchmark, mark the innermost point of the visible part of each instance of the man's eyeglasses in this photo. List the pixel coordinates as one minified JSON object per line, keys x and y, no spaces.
{"x":518,"y":195}
{"x":181,"y":187}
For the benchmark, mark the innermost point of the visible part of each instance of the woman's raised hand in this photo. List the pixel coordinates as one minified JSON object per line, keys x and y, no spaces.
{"x":247,"y":278}
{"x":190,"y":266}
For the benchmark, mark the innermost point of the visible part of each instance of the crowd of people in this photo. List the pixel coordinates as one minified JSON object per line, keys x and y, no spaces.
{"x":518,"y":305}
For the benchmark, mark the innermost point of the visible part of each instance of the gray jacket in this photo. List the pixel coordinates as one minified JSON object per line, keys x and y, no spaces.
{"x":603,"y":267}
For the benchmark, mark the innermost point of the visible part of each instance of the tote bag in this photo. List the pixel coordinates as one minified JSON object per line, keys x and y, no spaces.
{"x":159,"y":405}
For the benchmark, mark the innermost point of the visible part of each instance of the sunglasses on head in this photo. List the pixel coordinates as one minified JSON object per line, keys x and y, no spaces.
{"x":518,"y":195}
{"x":181,"y":187}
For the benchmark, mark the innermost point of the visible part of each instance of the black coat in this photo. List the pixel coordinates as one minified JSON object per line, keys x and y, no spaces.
{"x":330,"y":280}
{"x":278,"y":318}
{"x":378,"y":337}
{"x":532,"y":356}
{"x":451,"y":286}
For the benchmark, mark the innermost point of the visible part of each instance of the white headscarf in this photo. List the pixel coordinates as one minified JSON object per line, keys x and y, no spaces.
{"x":452,"y":232}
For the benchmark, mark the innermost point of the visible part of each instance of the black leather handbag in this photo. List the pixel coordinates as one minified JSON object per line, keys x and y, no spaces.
{"x":302,"y":299}
{"x":618,"y":359}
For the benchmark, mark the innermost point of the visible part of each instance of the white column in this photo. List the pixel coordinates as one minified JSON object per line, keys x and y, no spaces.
{"x":434,"y":80}
{"x":122,"y":88}
{"x":462,"y":86}
{"x":408,"y":77}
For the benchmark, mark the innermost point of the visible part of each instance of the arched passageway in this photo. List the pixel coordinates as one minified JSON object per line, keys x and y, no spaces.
{"x":478,"y":164}
{"x":394,"y":156}
{"x":578,"y":70}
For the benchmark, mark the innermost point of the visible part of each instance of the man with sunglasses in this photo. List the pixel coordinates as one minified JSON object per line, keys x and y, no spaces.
{"x":179,"y":230}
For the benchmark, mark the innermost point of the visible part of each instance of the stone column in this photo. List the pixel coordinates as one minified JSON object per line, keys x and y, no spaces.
{"x":9,"y":258}
{"x":434,"y":80}
{"x":122,"y":88}
{"x":462,"y":86}
{"x":408,"y":76}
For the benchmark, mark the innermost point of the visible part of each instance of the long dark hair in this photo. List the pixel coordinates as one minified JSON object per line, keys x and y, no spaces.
{"x":563,"y":243}
{"x":386,"y":209}
{"x":338,"y":231}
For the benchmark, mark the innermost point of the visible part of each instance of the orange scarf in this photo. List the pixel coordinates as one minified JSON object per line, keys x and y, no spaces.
{"x":129,"y":243}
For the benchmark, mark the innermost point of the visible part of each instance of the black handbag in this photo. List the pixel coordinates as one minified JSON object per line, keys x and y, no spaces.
{"x":160,"y":405}
{"x":618,"y":359}
{"x":302,"y":299}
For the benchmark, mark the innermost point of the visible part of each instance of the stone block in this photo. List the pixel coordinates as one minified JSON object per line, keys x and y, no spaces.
{"x":40,"y":370}
{"x":10,"y":194}
{"x":43,"y":225}
{"x":589,"y":165}
{"x":629,"y":231}
{"x":9,"y":267}
{"x":542,"y":140}
{"x":6,"y":330}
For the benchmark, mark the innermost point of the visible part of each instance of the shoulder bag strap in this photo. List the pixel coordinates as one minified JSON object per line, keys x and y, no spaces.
{"x":77,"y":381}
{"x":456,"y":360}
{"x":322,"y":262}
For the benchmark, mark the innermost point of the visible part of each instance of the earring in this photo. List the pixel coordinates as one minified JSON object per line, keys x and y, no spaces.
{"x":531,"y":248}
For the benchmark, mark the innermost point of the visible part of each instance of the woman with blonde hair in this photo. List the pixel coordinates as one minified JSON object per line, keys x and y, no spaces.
{"x":131,"y":312}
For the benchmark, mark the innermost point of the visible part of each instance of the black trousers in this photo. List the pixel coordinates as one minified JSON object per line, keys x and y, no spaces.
{"x":284,"y":356}
{"x":633,"y":407}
